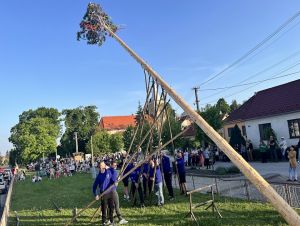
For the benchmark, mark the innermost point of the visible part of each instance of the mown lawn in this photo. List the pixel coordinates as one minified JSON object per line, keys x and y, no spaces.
{"x":33,"y":203}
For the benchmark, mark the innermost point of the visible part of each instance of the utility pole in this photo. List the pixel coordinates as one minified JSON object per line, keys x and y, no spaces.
{"x":92,"y":160}
{"x":76,"y":140}
{"x":92,"y":151}
{"x":196,"y":88}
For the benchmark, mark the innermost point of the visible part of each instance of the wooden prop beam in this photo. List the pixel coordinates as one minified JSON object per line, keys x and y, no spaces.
{"x":127,"y":174}
{"x":286,"y":211}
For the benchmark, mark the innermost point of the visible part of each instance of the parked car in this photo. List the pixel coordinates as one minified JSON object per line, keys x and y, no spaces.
{"x":7,"y":175}
{"x":3,"y":185}
{"x":2,"y":170}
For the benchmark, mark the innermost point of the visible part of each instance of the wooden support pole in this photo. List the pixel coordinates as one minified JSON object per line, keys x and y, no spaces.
{"x":217,"y":188}
{"x":286,"y":211}
{"x":127,"y":174}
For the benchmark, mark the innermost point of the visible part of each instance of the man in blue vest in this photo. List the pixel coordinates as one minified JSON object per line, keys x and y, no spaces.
{"x":136,"y":185}
{"x":126,"y":180}
{"x":145,"y":168}
{"x":167,"y":171}
{"x":181,"y":172}
{"x":103,"y":181}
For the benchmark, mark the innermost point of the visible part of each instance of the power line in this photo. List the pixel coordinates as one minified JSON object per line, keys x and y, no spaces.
{"x":251,"y":83}
{"x":243,"y":90}
{"x":258,"y":73}
{"x":254,"y":48}
{"x":270,"y":67}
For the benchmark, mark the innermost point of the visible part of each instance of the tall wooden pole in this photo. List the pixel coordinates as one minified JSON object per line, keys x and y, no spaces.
{"x":286,"y":211}
{"x":76,"y":142}
{"x":92,"y":159}
{"x":92,"y":151}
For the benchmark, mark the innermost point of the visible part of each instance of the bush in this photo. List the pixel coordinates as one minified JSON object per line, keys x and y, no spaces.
{"x":221,"y":170}
{"x":232,"y":169}
{"x":227,"y":170}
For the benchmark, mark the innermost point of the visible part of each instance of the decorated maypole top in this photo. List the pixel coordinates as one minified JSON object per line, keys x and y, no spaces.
{"x":93,"y":25}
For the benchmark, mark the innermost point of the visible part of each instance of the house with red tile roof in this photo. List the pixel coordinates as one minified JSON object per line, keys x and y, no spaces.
{"x":277,"y":108}
{"x":117,"y":124}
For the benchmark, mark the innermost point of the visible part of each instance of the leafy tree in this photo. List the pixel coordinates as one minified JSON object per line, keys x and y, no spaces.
{"x":128,"y":136}
{"x":223,"y":106}
{"x":15,"y":157}
{"x":175,"y":125}
{"x":35,"y":134}
{"x":144,"y":123}
{"x":116,"y":142}
{"x":101,"y":143}
{"x":34,"y":138}
{"x":50,"y":113}
{"x":84,"y":121}
{"x":141,"y":133}
{"x":139,"y":114}
{"x":213,"y":117}
{"x":234,"y":105}
{"x":236,"y":138}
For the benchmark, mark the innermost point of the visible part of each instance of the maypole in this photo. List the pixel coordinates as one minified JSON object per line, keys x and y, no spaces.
{"x":96,"y":25}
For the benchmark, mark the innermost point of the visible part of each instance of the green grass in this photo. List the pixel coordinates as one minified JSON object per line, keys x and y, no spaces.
{"x":32,"y":201}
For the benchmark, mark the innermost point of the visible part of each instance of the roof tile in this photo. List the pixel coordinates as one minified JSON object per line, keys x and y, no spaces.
{"x":273,"y":101}
{"x":117,"y":122}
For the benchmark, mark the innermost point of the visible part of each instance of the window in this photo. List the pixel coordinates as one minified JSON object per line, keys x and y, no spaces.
{"x":294,"y":128}
{"x":229,"y":131}
{"x":244,"y":131}
{"x":263,"y":129}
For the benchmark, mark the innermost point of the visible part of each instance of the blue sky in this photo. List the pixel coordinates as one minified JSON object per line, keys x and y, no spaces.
{"x":42,"y":64}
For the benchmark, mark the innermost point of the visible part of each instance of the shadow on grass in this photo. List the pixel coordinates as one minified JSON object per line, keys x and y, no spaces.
{"x":204,"y":218}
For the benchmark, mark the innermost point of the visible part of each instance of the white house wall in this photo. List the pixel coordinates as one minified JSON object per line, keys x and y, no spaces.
{"x":278,"y":123}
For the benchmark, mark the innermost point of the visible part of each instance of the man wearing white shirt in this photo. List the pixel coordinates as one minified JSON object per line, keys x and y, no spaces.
{"x":283,"y":147}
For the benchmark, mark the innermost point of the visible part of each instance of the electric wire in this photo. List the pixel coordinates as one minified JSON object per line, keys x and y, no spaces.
{"x":291,"y":19}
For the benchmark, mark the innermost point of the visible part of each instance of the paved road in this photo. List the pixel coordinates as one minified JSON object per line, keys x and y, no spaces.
{"x":235,"y":187}
{"x":2,"y":202}
{"x":281,"y":168}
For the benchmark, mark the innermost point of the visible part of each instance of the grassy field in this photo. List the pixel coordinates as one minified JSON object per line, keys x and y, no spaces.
{"x":33,"y":203}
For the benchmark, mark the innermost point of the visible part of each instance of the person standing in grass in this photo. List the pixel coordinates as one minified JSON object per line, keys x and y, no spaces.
{"x":115,"y":195}
{"x":136,"y":185}
{"x":156,"y":177}
{"x":167,"y":171}
{"x":103,"y":181}
{"x":293,"y":164}
{"x":145,"y":169}
{"x":181,"y":173}
{"x":126,"y":180}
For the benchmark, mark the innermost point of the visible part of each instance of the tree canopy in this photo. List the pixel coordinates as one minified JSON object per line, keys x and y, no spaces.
{"x":213,"y":117}
{"x":234,"y":105}
{"x":171,"y":126}
{"x":103,"y":143}
{"x":35,"y":134}
{"x":84,"y":121}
